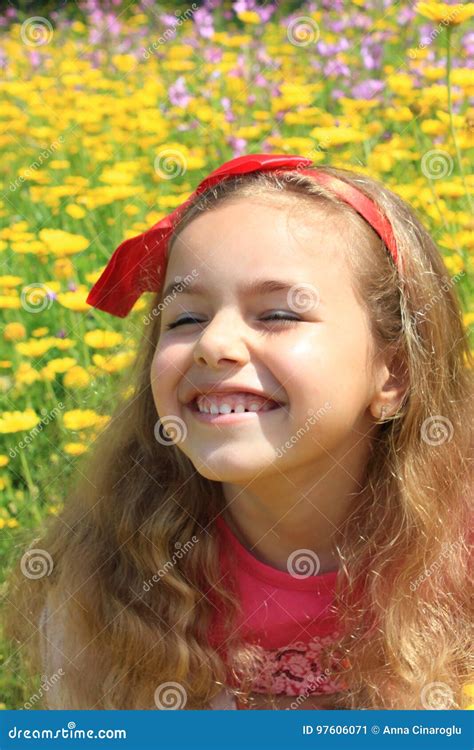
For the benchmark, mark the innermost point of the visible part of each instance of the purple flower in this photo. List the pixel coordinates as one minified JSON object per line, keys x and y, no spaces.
{"x":367,"y":89}
{"x":336,"y":68}
{"x":203,"y":22}
{"x":238,"y":145}
{"x":178,"y":94}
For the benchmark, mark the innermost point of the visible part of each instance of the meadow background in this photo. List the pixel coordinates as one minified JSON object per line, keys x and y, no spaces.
{"x":110,"y":115}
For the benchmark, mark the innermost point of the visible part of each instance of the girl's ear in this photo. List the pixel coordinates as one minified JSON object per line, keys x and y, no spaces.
{"x":392,"y":382}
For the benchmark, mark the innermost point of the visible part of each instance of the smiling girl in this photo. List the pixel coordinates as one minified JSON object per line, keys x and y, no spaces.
{"x":278,"y":517}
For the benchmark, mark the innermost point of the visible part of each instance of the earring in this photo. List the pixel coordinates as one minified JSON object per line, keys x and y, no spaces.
{"x":383,"y":412}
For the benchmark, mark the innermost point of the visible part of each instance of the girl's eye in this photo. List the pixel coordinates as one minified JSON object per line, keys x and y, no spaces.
{"x":281,"y":317}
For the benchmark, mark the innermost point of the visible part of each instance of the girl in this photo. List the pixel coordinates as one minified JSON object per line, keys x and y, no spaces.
{"x":277,"y":518}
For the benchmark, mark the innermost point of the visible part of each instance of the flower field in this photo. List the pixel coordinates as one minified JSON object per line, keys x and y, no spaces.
{"x":110,"y":115}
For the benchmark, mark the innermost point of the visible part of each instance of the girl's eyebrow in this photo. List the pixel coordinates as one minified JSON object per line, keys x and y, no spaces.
{"x":257,"y":286}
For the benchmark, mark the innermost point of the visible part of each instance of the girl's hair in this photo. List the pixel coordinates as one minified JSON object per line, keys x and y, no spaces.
{"x":136,"y":613}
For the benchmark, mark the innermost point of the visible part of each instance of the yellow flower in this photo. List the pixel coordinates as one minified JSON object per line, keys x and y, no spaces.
{"x":3,"y":484}
{"x":249,"y":16}
{"x":448,"y":15}
{"x":77,"y":212}
{"x":77,"y":419}
{"x":25,"y":374}
{"x":38,"y":332}
{"x":9,"y":303}
{"x":9,"y":281}
{"x":75,"y":301}
{"x":4,"y":460}
{"x":100,"y":339}
{"x":12,"y":523}
{"x":337,"y":136}
{"x":63,"y":243}
{"x":16,"y":421}
{"x":35,"y":347}
{"x":61,"y":364}
{"x":116,"y":363}
{"x":63,"y":268}
{"x":14,"y":332}
{"x":5,"y":364}
{"x":76,"y":377}
{"x":74,"y":449}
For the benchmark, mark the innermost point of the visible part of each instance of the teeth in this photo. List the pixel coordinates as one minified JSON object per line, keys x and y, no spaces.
{"x":205,"y":406}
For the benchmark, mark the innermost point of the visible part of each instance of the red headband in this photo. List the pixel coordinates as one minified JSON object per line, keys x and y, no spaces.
{"x":138,"y":265}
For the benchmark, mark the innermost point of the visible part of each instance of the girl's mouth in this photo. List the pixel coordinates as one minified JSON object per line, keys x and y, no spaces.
{"x":223,"y":419}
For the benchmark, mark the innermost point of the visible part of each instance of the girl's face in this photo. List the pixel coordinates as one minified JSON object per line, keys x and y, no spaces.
{"x":314,"y":359}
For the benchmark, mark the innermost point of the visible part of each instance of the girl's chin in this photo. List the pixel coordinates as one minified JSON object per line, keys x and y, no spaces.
{"x":232,"y":471}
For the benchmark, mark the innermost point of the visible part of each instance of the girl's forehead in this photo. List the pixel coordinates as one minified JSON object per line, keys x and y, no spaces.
{"x":260,"y":235}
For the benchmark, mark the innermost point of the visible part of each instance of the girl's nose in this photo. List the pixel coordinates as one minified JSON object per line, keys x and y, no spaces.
{"x":222,"y":339}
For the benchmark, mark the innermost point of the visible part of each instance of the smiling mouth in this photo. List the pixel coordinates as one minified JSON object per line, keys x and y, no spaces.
{"x":232,"y":415}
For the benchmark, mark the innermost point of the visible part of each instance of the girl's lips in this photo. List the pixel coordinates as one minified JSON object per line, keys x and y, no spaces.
{"x":223,"y":419}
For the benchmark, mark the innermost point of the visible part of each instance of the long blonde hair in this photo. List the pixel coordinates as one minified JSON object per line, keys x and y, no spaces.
{"x":402,"y":588}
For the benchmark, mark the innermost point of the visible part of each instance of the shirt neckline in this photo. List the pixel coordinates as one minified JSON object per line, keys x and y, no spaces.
{"x":324,"y":582}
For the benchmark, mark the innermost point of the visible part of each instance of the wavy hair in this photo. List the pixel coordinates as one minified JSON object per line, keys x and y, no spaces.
{"x":403,"y":582}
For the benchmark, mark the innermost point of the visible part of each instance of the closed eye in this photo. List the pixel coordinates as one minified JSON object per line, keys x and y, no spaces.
{"x":279,"y":317}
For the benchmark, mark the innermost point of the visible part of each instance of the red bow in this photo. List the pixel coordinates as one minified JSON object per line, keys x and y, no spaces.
{"x":139,"y":264}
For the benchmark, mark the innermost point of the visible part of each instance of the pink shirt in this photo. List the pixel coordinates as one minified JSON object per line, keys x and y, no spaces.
{"x":290,"y":618}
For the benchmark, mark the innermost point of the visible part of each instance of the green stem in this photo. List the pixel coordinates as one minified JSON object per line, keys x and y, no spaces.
{"x":450,"y":109}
